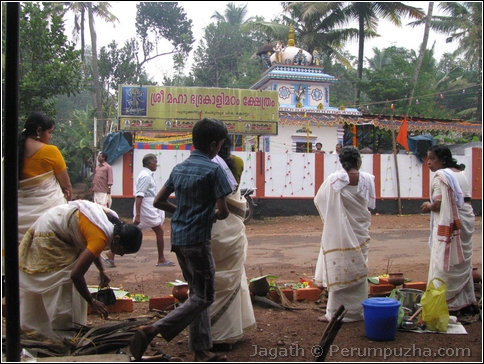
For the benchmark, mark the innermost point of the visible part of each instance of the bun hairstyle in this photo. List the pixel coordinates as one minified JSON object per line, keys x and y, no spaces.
{"x":444,"y":154}
{"x":37,"y":119}
{"x":349,"y":157}
{"x":130,"y":236}
{"x":225,"y":151}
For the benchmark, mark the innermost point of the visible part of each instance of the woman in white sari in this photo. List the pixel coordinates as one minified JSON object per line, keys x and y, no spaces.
{"x":451,"y":228}
{"x":231,"y":313}
{"x":342,"y":267}
{"x":43,"y":178}
{"x":55,"y":254}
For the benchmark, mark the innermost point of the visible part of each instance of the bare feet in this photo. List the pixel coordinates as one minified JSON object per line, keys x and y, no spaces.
{"x":207,"y":356}
{"x":141,"y":339}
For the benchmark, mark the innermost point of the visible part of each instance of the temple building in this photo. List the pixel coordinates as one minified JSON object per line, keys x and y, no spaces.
{"x":305,"y":115}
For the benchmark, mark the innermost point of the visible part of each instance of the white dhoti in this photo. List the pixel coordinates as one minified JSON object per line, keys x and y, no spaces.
{"x":150,"y":216}
{"x":102,"y":198}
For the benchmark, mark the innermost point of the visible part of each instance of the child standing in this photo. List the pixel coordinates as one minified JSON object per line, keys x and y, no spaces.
{"x":199,"y":185}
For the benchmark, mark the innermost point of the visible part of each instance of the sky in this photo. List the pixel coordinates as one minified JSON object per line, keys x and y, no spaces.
{"x":200,"y":13}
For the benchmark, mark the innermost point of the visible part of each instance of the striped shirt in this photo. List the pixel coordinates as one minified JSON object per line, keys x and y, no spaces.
{"x":197,"y":183}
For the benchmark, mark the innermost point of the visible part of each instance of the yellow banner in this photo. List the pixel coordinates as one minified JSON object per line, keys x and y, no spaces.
{"x":177,"y":109}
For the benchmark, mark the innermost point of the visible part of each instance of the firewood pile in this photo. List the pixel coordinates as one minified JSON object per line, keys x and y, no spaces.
{"x":100,"y":339}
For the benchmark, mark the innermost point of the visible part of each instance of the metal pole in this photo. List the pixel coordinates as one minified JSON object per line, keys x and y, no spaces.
{"x":10,"y":196}
{"x":396,"y":164}
{"x":308,"y":139}
{"x":95,"y":143}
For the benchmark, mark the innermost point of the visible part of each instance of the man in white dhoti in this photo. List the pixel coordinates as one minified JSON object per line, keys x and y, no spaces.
{"x":342,"y":267}
{"x":102,"y":181}
{"x":146,"y":216}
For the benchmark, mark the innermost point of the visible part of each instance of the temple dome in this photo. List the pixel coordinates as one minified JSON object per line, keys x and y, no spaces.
{"x":290,"y":55}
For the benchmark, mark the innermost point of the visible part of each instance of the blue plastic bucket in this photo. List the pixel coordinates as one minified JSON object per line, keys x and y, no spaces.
{"x":381,"y":315}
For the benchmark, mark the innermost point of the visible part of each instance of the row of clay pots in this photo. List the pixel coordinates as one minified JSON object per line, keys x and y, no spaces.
{"x":261,"y":287}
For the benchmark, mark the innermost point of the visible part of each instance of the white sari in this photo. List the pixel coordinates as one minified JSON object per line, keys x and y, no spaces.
{"x":49,"y":301}
{"x":450,"y":241}
{"x":231,"y":313}
{"x":342,"y":265}
{"x":35,"y":196}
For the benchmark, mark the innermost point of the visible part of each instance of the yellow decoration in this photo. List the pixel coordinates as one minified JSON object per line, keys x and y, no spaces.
{"x":291,"y":42}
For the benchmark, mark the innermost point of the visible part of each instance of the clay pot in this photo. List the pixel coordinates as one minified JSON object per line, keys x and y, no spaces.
{"x":476,"y":276}
{"x":259,"y":287}
{"x":396,"y":278}
{"x":180,"y":292}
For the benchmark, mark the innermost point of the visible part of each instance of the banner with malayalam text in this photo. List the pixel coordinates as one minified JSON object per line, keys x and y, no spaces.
{"x":177,"y":109}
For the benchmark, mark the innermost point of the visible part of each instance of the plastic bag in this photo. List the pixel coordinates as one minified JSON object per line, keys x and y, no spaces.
{"x":435,"y":312}
{"x":394,"y":294}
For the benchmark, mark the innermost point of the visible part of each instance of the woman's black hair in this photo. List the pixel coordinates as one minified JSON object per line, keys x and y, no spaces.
{"x":130,"y":236}
{"x":225,"y":151}
{"x":349,"y":157}
{"x":37,"y":119}
{"x":444,"y":154}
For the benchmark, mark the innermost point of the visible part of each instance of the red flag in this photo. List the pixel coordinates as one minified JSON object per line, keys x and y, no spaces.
{"x":402,"y":137}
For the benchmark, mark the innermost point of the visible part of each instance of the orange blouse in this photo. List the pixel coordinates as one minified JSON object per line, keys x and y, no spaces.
{"x":96,"y":240}
{"x":46,"y":159}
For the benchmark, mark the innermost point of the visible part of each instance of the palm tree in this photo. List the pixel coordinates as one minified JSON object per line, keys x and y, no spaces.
{"x":379,"y":59}
{"x":234,"y":15}
{"x":314,"y":29}
{"x":100,"y":9}
{"x":319,"y":26}
{"x":421,"y":52}
{"x":79,"y":9}
{"x":463,"y":24}
{"x":368,"y":14}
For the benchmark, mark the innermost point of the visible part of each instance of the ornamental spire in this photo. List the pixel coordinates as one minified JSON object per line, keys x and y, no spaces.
{"x":291,"y":42}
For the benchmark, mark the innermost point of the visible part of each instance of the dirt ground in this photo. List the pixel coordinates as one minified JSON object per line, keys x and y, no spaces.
{"x":288,"y":247}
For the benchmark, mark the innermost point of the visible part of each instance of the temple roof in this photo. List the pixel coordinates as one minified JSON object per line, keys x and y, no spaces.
{"x":295,"y":73}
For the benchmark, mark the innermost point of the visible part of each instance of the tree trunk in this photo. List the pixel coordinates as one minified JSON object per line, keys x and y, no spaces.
{"x":83,"y":43}
{"x":361,"y":48}
{"x":95,"y":69}
{"x":421,"y":54}
{"x":479,"y":90}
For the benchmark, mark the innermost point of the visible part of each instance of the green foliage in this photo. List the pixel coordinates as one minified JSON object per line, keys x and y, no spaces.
{"x":391,"y":81}
{"x":66,"y":104}
{"x":49,"y":64}
{"x":321,"y":26}
{"x":163,"y":20}
{"x":223,"y":59}
{"x":116,"y":67}
{"x":75,"y":140}
{"x":343,"y":91}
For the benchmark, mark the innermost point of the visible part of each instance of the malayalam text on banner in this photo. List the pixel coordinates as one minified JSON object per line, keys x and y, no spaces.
{"x":177,"y":109}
